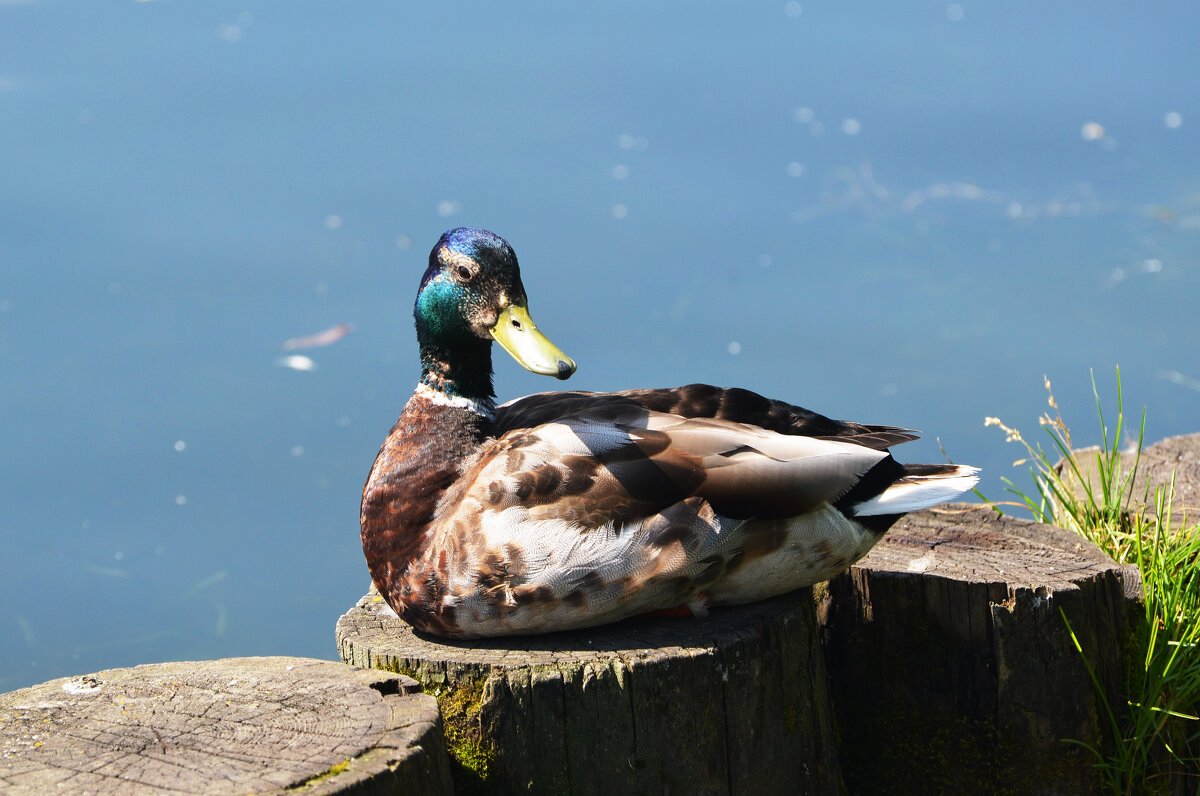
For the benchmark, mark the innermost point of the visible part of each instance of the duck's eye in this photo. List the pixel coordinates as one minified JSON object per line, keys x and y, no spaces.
{"x":464,"y":273}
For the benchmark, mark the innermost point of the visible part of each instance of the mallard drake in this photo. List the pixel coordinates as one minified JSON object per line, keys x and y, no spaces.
{"x":570,"y":509}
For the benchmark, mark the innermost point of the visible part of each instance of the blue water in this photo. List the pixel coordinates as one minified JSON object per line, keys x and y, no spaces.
{"x":899,"y":213}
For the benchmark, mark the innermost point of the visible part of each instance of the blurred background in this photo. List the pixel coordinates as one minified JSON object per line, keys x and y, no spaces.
{"x":901,"y":213}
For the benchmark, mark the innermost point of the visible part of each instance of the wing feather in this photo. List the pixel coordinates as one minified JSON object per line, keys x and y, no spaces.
{"x":700,"y":401}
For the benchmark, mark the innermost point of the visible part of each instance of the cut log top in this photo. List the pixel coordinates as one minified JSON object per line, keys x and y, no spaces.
{"x":236,"y":725}
{"x":1173,"y":456}
{"x":972,"y":543}
{"x":371,"y":629}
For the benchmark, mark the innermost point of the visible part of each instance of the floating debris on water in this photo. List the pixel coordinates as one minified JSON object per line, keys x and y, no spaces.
{"x":232,"y":32}
{"x":1175,"y":377}
{"x":804,"y":115}
{"x":222,"y":620}
{"x":857,"y":189}
{"x":1117,"y":275}
{"x":296,"y":362}
{"x":109,"y":572}
{"x":323,"y":338}
{"x":26,"y":630}
{"x":638,"y":143}
{"x":956,"y":190}
{"x":206,"y":582}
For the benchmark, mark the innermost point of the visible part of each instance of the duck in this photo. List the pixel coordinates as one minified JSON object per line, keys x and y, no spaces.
{"x":571,"y":509}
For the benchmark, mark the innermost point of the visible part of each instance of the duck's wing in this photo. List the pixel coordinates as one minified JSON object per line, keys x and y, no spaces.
{"x":590,"y":507}
{"x":612,"y":509}
{"x":704,"y":401}
{"x":608,"y":455}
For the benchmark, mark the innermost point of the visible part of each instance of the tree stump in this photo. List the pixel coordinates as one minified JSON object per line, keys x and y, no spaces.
{"x":951,"y":667}
{"x":238,"y":725}
{"x":1173,"y":457}
{"x":735,"y":702}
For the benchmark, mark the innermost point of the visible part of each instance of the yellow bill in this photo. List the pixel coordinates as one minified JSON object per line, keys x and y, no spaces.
{"x":516,"y":332}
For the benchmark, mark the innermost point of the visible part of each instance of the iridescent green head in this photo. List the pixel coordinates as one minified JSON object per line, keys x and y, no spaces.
{"x":471,"y":294}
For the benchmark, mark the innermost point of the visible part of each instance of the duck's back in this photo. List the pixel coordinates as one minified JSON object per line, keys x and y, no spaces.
{"x":699,"y":401}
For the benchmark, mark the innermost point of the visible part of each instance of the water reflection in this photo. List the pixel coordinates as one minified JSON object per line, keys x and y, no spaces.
{"x":1175,"y":377}
{"x":297,"y":362}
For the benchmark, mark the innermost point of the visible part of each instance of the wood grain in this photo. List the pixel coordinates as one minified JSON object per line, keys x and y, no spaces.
{"x":735,"y":702}
{"x":237,"y":725}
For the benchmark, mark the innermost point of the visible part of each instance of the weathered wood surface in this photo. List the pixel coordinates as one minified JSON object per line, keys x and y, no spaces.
{"x":237,"y":725}
{"x":735,"y":702}
{"x":1173,"y":456}
{"x":951,"y":667}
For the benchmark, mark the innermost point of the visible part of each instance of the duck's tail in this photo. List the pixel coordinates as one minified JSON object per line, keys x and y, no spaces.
{"x":921,"y":486}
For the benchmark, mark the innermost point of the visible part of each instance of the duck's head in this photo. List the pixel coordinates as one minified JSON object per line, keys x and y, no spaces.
{"x":471,"y":294}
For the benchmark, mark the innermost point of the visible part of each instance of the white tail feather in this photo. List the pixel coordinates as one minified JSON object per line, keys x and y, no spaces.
{"x":916,"y":492}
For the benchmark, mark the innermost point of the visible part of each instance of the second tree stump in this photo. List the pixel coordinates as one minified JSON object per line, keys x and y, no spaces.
{"x":951,"y":663}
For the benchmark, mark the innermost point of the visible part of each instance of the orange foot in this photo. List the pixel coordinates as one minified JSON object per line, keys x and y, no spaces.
{"x":697,"y":606}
